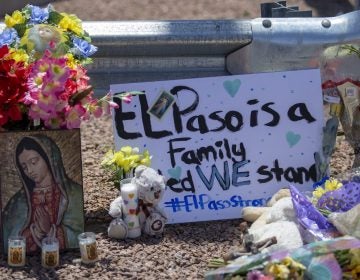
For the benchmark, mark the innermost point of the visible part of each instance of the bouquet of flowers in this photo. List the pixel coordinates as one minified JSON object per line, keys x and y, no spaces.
{"x":333,"y":259}
{"x":122,"y":163}
{"x":323,"y":215}
{"x":42,"y":76}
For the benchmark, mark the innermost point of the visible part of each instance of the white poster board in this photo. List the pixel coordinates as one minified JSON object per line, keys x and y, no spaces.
{"x":224,"y":143}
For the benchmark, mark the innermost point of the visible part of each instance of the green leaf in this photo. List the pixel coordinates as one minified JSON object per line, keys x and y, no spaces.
{"x":55,"y":17}
{"x":352,"y":49}
{"x":20,"y":29}
{"x":124,"y":93}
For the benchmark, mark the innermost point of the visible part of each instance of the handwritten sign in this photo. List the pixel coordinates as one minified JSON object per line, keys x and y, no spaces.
{"x":225,"y":142}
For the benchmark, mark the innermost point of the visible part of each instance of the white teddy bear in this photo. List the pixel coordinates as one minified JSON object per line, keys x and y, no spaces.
{"x":136,"y":210}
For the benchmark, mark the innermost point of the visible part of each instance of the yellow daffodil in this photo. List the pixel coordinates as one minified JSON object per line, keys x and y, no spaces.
{"x":332,"y":184}
{"x":355,"y":258}
{"x":71,"y":23}
{"x":355,"y":272}
{"x":127,"y":150}
{"x":16,"y":18}
{"x":119,"y":158}
{"x":287,"y":261}
{"x":279,"y":271}
{"x":318,"y":192}
{"x":122,"y":162}
{"x":146,"y":160}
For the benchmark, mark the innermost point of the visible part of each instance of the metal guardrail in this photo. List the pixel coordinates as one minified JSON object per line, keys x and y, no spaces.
{"x":162,"y":50}
{"x":132,"y":51}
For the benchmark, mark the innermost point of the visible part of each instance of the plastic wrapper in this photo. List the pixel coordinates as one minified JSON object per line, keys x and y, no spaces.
{"x":342,"y":199}
{"x":347,"y":223}
{"x":341,"y":206}
{"x":340,"y":73}
{"x":313,"y":225}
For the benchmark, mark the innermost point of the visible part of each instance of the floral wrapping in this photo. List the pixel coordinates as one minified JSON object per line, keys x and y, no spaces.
{"x":342,"y":199}
{"x":310,"y":218}
{"x":331,"y":259}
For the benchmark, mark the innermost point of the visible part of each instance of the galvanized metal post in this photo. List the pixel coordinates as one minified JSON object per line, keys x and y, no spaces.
{"x":280,"y":44}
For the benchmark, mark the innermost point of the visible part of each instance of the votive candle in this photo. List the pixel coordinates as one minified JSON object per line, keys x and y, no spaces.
{"x":50,"y":252}
{"x":88,"y":248}
{"x":16,"y":251}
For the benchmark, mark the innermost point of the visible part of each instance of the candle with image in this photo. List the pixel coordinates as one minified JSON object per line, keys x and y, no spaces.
{"x":50,"y":252}
{"x":88,"y":248}
{"x":16,"y":250}
{"x":130,"y":197}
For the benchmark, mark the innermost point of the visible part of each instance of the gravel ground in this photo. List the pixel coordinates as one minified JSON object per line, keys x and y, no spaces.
{"x":184,"y":250}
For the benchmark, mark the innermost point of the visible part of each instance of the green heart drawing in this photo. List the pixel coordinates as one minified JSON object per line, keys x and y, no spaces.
{"x":131,"y":224}
{"x":292,"y":138}
{"x":232,"y":87}
{"x":175,"y":172}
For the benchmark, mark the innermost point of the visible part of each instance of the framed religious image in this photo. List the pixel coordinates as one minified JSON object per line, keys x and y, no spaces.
{"x":161,"y":104}
{"x":41,"y":187}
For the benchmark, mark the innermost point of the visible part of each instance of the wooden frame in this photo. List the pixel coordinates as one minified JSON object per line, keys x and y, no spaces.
{"x":41,"y":187}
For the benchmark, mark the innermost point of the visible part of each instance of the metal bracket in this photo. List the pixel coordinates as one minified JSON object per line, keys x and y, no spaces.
{"x":279,"y":9}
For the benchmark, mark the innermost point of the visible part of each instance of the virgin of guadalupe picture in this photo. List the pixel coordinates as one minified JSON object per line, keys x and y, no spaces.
{"x":41,"y":187}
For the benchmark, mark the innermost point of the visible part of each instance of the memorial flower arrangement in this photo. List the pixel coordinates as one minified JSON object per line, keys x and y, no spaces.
{"x":330,"y":210}
{"x":122,"y":163}
{"x":338,"y":258}
{"x":286,"y":268}
{"x":323,"y":187}
{"x":42,"y":76}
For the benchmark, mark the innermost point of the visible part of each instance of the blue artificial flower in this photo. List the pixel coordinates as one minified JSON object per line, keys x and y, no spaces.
{"x":38,"y":15}
{"x":8,"y":36}
{"x":83,"y":47}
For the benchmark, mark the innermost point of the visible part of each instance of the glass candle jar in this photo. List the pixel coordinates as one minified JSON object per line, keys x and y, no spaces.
{"x":50,"y":252}
{"x":16,"y":251}
{"x":88,"y":248}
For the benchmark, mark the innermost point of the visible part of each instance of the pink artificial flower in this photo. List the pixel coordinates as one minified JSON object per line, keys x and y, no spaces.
{"x":28,"y":99}
{"x":126,"y":98}
{"x":46,"y":102}
{"x":113,"y":105}
{"x":73,"y":116}
{"x":107,"y":104}
{"x":54,"y":123}
{"x":98,"y":112}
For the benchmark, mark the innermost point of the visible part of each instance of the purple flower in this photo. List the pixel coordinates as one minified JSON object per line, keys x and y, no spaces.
{"x":38,"y":15}
{"x":254,"y":275}
{"x":83,"y":47}
{"x":8,"y":36}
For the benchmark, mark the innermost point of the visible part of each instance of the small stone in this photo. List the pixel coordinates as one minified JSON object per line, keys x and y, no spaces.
{"x":76,"y":261}
{"x":251,"y":214}
{"x":277,"y":196}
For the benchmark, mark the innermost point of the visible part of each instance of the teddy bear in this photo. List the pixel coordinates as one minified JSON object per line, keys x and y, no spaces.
{"x":136,"y":210}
